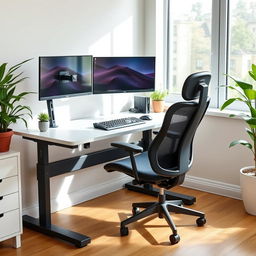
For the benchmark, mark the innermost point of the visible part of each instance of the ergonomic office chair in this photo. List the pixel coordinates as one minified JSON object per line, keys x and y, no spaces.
{"x":169,"y":156}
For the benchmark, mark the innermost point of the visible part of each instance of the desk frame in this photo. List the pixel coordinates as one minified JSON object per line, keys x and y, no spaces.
{"x":46,"y":170}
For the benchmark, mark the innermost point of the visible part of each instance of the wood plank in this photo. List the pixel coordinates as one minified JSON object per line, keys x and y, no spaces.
{"x":229,"y":229}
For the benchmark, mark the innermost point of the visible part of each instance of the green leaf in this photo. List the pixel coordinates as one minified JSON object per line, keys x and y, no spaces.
{"x":251,"y":122}
{"x":9,"y":111}
{"x":6,"y":79}
{"x":254,"y":69}
{"x":252,"y":75}
{"x":253,"y":111}
{"x":238,"y":91}
{"x":251,"y":134}
{"x":241,"y":84}
{"x":17,"y":82}
{"x":15,"y":67}
{"x":227,"y":103}
{"x":19,"y":108}
{"x":159,"y":95}
{"x":250,"y":93}
{"x":15,"y":77}
{"x":241,"y":142}
{"x":7,"y":104}
{"x":2,"y":70}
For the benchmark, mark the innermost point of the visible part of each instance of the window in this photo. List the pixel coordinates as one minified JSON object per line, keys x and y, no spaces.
{"x":190,"y":40}
{"x":242,"y":38}
{"x":217,"y":35}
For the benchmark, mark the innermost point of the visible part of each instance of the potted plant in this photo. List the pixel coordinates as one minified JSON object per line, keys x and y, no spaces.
{"x":43,"y":122}
{"x":247,"y":95}
{"x":11,"y":109}
{"x":158,"y":100}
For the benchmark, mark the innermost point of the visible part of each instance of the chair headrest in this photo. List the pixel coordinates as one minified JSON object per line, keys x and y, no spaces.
{"x":191,"y":89}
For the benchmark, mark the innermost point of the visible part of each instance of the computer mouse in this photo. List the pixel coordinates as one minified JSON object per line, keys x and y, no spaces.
{"x":146,"y":117}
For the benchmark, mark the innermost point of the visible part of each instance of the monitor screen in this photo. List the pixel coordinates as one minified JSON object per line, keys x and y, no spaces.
{"x":64,"y":76}
{"x":123,"y":74}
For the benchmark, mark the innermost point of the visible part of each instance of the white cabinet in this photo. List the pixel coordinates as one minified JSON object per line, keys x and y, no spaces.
{"x":10,"y":197}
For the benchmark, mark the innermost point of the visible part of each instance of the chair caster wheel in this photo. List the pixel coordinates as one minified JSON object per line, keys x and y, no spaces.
{"x":135,"y":210}
{"x":174,"y":239}
{"x":200,"y":221}
{"x":124,"y":231}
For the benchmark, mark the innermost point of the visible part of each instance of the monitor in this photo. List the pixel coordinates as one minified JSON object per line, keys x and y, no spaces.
{"x":64,"y":76}
{"x":123,"y":74}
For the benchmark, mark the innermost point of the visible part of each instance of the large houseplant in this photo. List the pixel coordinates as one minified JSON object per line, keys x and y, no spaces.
{"x":11,"y":109}
{"x":246,"y":94}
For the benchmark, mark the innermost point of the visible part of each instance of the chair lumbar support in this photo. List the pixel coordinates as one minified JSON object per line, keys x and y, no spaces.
{"x":163,"y":209}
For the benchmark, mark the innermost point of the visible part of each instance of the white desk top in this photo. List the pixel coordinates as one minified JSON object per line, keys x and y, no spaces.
{"x":81,"y":131}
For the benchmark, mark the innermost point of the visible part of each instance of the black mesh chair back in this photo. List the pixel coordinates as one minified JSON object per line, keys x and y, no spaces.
{"x":172,"y":147}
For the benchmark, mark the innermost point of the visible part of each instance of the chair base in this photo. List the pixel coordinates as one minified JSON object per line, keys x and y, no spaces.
{"x":162,"y":208}
{"x":148,"y":189}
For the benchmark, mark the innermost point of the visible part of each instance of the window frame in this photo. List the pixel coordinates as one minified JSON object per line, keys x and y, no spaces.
{"x":219,"y":54}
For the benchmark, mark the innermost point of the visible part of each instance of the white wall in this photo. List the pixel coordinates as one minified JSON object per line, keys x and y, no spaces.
{"x":150,"y":27}
{"x":68,"y":27}
{"x":213,"y":159}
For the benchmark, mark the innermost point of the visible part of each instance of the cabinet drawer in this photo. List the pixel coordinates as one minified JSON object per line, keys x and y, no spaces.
{"x":9,"y":185}
{"x":9,"y":202}
{"x":9,"y":223}
{"x":8,"y":167}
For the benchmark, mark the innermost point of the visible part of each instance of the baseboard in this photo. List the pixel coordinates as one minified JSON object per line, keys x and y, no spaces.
{"x":91,"y":192}
{"x":213,"y":186}
{"x":80,"y":196}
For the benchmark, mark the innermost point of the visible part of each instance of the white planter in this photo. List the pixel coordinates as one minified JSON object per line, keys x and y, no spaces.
{"x":248,"y":188}
{"x":43,"y":126}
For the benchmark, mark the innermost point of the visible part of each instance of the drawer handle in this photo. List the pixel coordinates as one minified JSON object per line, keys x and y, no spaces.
{"x":1,"y":215}
{"x":1,"y":198}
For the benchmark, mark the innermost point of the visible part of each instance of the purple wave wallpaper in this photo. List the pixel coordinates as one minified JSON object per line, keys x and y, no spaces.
{"x":123,"y":74}
{"x":63,"y":76}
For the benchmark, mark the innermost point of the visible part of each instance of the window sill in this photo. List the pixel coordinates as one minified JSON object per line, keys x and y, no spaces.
{"x":225,"y":113}
{"x":217,"y":113}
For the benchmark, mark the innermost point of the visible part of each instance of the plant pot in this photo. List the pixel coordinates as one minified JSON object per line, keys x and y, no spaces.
{"x":248,"y":186}
{"x":158,"y":106}
{"x":43,"y":126}
{"x":5,"y":140}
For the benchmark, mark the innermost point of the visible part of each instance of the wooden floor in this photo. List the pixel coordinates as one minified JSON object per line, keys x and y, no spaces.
{"x":229,"y":230}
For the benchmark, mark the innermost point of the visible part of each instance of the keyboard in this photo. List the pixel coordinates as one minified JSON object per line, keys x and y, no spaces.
{"x":118,"y":123}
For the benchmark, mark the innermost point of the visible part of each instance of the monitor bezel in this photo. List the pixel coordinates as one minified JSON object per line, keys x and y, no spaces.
{"x":64,"y":95}
{"x":124,"y":91}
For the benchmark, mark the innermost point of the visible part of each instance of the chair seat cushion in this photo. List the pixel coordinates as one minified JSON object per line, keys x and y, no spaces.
{"x":145,"y":171}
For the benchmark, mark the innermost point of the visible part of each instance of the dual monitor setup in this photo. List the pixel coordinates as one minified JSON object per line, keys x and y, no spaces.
{"x":68,"y":76}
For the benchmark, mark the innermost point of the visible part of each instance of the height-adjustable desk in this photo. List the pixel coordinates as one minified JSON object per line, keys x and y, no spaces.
{"x":73,"y":135}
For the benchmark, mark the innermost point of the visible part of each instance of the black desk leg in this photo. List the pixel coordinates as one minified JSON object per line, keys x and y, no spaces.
{"x":148,"y":188}
{"x":43,"y":224}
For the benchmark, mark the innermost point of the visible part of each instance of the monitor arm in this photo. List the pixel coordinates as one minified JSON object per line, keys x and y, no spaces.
{"x":51,"y":114}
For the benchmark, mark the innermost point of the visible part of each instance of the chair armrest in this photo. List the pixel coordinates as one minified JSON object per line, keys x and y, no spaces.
{"x":131,"y":148}
{"x":127,"y":147}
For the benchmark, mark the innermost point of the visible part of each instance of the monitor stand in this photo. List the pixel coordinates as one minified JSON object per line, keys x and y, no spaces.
{"x":51,"y":114}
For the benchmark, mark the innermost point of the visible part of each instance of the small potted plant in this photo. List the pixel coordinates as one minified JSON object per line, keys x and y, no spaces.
{"x":43,"y":122}
{"x":158,"y":100}
{"x":10,"y":108}
{"x":247,"y":95}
